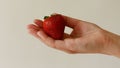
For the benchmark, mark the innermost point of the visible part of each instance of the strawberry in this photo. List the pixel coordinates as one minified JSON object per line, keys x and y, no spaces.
{"x":54,"y":26}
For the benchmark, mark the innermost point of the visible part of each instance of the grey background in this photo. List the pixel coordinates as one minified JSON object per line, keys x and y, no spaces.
{"x":18,"y":49}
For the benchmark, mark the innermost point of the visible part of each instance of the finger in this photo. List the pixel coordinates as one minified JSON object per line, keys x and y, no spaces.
{"x":57,"y":44}
{"x":34,"y":32}
{"x":60,"y":45}
{"x":33,"y":29}
{"x":70,"y":22}
{"x":46,"y":39}
{"x":32,"y":26}
{"x":38,"y":22}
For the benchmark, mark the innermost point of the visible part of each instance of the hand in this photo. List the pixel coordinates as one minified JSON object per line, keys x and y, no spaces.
{"x":86,"y":37}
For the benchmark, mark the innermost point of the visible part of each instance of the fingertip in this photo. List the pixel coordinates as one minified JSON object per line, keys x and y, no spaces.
{"x":31,"y":31}
{"x":29,"y":26}
{"x":38,"y":22}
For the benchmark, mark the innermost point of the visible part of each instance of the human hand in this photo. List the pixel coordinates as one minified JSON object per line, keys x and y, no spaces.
{"x":86,"y":37}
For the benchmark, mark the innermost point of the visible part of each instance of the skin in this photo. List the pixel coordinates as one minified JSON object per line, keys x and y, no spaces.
{"x":85,"y":38}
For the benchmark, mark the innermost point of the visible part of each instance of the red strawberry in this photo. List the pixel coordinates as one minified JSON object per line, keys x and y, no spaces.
{"x":54,"y":26}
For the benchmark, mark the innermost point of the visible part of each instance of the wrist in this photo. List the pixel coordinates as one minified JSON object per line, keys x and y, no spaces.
{"x":112,"y":44}
{"x":116,"y":47}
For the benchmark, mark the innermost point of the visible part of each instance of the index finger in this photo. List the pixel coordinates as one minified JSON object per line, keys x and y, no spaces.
{"x":71,"y":22}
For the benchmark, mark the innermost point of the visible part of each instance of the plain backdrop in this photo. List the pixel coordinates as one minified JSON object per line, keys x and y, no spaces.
{"x":18,"y":49}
